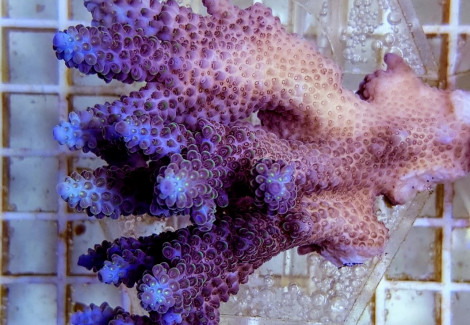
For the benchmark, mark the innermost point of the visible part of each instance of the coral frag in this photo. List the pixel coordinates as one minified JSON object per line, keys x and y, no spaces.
{"x":306,"y":177}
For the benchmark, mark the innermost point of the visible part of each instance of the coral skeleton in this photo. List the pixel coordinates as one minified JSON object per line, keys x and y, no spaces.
{"x":306,"y":177}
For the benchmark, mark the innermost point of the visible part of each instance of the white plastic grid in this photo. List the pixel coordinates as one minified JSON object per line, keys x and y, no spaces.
{"x":43,"y":292}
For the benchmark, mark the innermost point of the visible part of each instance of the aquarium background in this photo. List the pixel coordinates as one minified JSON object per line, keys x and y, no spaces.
{"x":428,"y":281}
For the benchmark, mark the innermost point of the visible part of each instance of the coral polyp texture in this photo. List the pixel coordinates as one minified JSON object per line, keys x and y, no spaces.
{"x":306,"y":177}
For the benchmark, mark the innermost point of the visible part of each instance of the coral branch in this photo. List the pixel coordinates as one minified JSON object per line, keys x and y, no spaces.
{"x":197,"y":265}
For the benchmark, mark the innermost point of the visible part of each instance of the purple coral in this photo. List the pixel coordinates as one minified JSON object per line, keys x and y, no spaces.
{"x":306,"y":177}
{"x":199,"y":269}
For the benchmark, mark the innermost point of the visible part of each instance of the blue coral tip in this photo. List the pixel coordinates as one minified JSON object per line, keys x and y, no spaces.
{"x":66,"y":193}
{"x":89,"y":261}
{"x":60,"y":40}
{"x":108,"y":274}
{"x":63,"y":43}
{"x":60,"y":133}
{"x":69,"y":134}
{"x":171,"y":318}
{"x":114,"y":271}
{"x":93,"y":315}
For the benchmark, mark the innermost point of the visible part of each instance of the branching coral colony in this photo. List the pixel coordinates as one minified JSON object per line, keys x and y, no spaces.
{"x":307,"y":177}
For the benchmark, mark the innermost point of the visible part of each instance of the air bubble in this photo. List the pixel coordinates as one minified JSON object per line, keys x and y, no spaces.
{"x":389,"y":39}
{"x":394,"y":18}
{"x":376,"y":45}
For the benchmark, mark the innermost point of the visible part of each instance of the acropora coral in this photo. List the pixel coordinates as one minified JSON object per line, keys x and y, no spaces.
{"x":306,"y":177}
